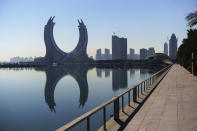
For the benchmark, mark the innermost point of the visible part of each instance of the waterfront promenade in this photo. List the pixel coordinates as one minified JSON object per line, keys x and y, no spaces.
{"x":171,"y":107}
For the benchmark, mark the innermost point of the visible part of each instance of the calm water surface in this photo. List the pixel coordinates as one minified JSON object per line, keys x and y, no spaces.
{"x":44,"y":99}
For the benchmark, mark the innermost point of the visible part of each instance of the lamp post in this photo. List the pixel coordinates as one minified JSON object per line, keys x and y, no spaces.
{"x":192,"y":63}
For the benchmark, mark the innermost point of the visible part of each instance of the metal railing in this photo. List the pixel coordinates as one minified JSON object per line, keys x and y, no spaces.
{"x":137,"y":89}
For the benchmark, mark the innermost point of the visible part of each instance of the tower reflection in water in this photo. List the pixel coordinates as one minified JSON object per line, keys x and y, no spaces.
{"x":119,"y":77}
{"x":132,"y":73}
{"x":99,"y":72}
{"x":55,"y":74}
{"x":143,"y":73}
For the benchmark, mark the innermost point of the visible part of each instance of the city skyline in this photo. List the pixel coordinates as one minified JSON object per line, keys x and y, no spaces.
{"x":22,"y":24}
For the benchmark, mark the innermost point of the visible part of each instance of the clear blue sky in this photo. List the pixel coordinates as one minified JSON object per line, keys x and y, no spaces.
{"x":146,"y":23}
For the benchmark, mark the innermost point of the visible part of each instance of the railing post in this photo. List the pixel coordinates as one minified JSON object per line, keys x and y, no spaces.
{"x":135,"y":94}
{"x":138,"y":91}
{"x":116,"y":109}
{"x":153,"y":78}
{"x":141,"y":87}
{"x":149,"y":82}
{"x":144,"y":85}
{"x":88,"y":123}
{"x":104,"y":118}
{"x":129,"y":98}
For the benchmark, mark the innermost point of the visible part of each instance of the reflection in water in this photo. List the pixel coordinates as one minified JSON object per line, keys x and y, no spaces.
{"x":107,"y":73}
{"x":143,"y":73}
{"x":119,"y":79}
{"x":132,"y":73}
{"x":99,"y":72}
{"x":54,"y":74}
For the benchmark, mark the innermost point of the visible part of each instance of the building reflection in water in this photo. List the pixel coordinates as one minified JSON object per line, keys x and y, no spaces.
{"x":53,"y":76}
{"x":119,"y":79}
{"x":143,"y":73}
{"x":132,"y":73}
{"x":107,"y":72}
{"x":99,"y":72}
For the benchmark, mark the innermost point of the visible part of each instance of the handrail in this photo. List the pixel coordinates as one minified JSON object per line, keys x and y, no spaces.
{"x":114,"y":99}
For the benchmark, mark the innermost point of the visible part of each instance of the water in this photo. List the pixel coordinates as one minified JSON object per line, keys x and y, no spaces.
{"x":44,"y":99}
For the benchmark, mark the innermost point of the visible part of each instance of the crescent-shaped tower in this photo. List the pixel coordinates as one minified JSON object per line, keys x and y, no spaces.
{"x":55,"y":54}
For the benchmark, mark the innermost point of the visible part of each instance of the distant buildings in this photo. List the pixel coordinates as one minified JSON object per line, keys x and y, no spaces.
{"x":21,"y":59}
{"x":165,"y":49}
{"x":173,"y":47}
{"x":119,"y":48}
{"x":131,"y":54}
{"x":151,"y":51}
{"x":98,"y":54}
{"x":107,"y":54}
{"x":119,"y":51}
{"x":143,"y":54}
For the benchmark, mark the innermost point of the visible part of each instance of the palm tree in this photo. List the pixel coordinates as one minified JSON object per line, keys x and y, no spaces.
{"x":192,"y":19}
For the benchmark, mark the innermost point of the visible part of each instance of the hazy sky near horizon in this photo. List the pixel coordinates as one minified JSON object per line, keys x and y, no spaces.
{"x":145,"y":23}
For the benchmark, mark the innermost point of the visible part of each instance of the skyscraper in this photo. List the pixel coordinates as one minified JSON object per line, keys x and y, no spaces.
{"x":173,"y":46}
{"x":119,"y":48}
{"x":151,"y":51}
{"x":165,"y":49}
{"x":123,"y":48}
{"x":131,"y":54}
{"x":107,"y":54}
{"x":143,"y":54}
{"x":98,"y":54}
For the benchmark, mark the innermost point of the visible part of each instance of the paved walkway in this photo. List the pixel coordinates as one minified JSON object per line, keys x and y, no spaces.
{"x":171,"y":107}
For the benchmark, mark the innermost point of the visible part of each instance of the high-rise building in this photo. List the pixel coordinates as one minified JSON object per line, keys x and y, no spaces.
{"x":165,"y":49}
{"x":123,"y":48}
{"x":151,"y":51}
{"x":131,"y":54}
{"x":98,"y":54}
{"x":107,"y":54}
{"x":119,"y":48}
{"x":143,"y":54}
{"x":173,"y":46}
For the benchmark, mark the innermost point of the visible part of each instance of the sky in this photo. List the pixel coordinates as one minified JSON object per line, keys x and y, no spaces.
{"x":145,"y":23}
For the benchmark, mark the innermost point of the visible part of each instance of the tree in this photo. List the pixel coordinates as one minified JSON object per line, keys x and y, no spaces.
{"x":192,"y":19}
{"x":185,"y":50}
